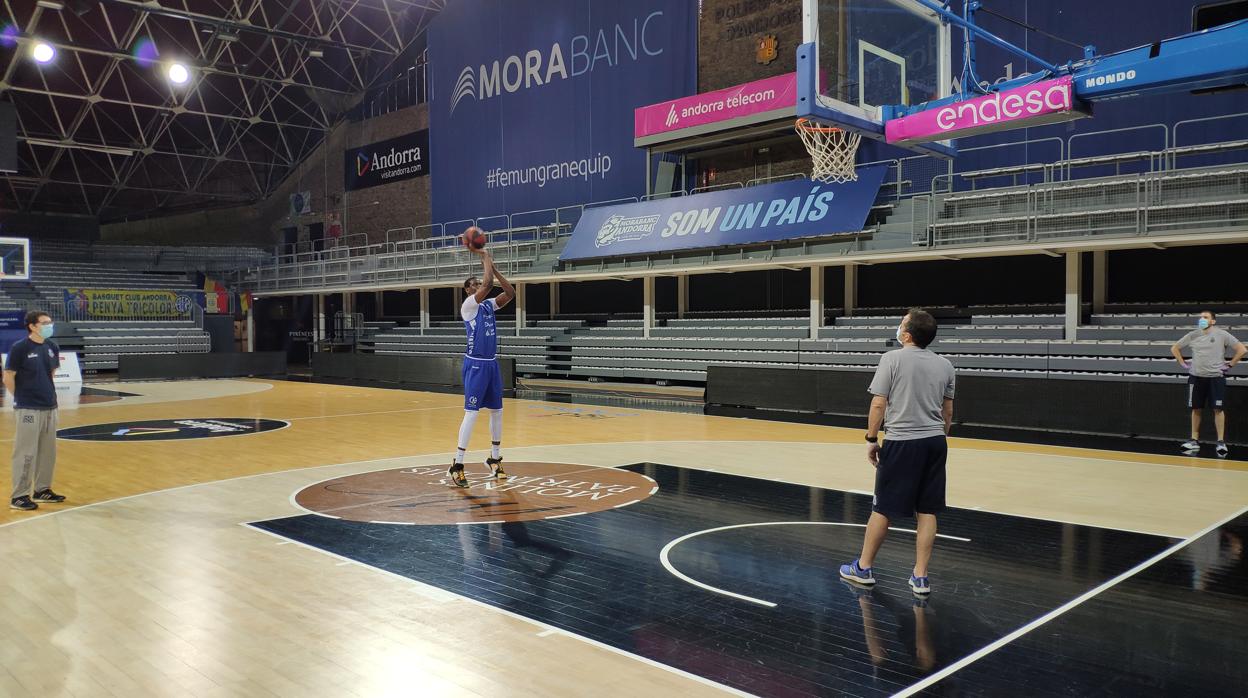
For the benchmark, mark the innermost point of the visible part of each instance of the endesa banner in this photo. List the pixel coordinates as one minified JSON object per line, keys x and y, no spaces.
{"x":532,"y":100}
{"x":751,"y":98}
{"x":792,"y":209}
{"x":387,"y":161}
{"x":1044,"y":102}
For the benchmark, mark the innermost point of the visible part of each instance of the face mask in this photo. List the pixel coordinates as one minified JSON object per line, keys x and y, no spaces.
{"x":899,"y":339}
{"x":46,"y":331}
{"x":1203,"y":323}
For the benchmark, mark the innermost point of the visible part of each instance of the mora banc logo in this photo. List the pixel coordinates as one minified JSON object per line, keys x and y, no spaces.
{"x":171,"y":429}
{"x":423,"y":495}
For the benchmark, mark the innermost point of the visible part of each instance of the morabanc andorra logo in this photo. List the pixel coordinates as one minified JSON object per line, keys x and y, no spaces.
{"x":171,"y":429}
{"x":422,"y":495}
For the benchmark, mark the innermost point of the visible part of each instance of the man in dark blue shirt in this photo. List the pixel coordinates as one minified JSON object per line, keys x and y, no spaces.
{"x":28,"y":378}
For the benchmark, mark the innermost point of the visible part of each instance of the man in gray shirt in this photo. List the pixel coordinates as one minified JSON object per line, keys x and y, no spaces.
{"x":1206,"y":379}
{"x":913,"y":401}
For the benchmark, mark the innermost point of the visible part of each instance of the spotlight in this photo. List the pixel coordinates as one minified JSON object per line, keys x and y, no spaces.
{"x":43,"y":52}
{"x":178,"y":74}
{"x":316,"y":53}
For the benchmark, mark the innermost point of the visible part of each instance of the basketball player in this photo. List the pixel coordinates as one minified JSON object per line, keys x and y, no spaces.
{"x":483,"y":381}
{"x":913,"y":401}
{"x":1206,"y":379}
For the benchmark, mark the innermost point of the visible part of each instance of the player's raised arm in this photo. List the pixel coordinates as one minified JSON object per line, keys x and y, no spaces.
{"x":509,"y":291}
{"x":487,"y":278}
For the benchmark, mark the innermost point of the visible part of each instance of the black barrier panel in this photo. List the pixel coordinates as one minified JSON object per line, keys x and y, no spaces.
{"x":1118,"y":408}
{"x":843,"y":392}
{"x":229,"y":365}
{"x":415,"y":370}
{"x":768,"y":388}
{"x":1043,"y":403}
{"x":1161,"y":409}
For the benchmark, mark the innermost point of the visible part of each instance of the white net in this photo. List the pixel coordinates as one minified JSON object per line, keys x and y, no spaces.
{"x":832,"y":151}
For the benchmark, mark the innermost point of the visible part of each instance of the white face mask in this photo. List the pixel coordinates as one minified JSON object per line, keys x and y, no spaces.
{"x":899,"y":339}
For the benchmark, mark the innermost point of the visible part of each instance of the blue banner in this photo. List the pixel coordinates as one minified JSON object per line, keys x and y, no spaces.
{"x":532,"y":100}
{"x":792,"y":209}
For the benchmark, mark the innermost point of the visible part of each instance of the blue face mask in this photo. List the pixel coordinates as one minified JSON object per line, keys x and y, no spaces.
{"x":1203,"y":323}
{"x":46,"y":331}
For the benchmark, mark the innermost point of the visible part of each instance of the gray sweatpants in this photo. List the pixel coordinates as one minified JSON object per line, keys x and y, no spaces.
{"x":34,"y":451}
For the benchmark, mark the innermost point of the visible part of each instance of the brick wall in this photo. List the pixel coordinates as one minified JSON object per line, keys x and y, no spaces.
{"x":729,"y":32}
{"x":371,"y":211}
{"x":728,"y":36}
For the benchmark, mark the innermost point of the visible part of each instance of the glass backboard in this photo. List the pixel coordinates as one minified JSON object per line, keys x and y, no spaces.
{"x":872,"y":53}
{"x":14,"y":259}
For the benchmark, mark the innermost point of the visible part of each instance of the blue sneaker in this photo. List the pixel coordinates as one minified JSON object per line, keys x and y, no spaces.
{"x":920,"y":585}
{"x":854,"y":573}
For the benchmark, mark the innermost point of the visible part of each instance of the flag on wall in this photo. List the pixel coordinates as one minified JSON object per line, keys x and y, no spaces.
{"x":216,"y":296}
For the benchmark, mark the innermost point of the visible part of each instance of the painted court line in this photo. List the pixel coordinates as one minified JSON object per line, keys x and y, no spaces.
{"x":438,"y":594}
{"x":667,"y":549}
{"x":1069,"y":605}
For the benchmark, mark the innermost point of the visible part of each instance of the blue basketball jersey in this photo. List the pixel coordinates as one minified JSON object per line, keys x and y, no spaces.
{"x":482,"y":330}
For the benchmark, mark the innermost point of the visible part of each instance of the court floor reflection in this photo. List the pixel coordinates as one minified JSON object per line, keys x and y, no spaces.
{"x":757,"y":604}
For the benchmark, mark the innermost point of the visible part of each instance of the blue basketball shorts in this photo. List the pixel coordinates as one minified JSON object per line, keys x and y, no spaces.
{"x":483,"y":384}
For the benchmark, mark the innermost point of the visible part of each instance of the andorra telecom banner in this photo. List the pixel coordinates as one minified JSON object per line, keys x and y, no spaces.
{"x":532,"y":100}
{"x":781,"y":211}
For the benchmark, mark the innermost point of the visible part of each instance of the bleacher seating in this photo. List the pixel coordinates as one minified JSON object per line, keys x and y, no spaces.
{"x":1214,"y":197}
{"x":60,"y":265}
{"x":104,"y":341}
{"x":1129,"y":346}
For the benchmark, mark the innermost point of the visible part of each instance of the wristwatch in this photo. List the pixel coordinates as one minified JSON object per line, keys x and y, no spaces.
{"x":873,"y":439}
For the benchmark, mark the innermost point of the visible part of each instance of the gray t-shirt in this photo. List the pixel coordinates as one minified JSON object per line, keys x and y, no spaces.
{"x":1209,"y":350}
{"x":916,"y":382}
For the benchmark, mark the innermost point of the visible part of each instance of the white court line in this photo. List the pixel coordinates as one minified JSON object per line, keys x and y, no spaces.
{"x":201,"y":484}
{"x":439,"y":594}
{"x":989,"y":649}
{"x":366,"y":414}
{"x":667,"y":549}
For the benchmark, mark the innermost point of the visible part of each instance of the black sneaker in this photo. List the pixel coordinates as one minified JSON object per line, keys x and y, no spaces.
{"x":48,"y":496}
{"x":23,"y":503}
{"x":496,"y":468}
{"x":456,"y":473}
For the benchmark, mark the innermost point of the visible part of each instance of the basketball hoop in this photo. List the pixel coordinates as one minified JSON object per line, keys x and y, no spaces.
{"x":832,"y":151}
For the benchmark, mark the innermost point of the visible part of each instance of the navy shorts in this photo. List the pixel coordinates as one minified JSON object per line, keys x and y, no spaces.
{"x":911,"y":477}
{"x":1206,"y":392}
{"x":483,"y":384}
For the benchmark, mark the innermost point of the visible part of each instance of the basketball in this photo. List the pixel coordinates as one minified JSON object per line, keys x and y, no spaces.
{"x":474,"y":239}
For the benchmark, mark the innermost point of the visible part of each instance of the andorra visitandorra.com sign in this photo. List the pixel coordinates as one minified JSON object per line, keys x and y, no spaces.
{"x":388,"y":161}
{"x":791,"y":209}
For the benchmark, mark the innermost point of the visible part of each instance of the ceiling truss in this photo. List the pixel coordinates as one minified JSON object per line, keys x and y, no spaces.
{"x":102,"y":132}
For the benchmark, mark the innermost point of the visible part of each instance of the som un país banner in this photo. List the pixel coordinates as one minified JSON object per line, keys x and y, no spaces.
{"x":106,"y":303}
{"x":790,"y":209}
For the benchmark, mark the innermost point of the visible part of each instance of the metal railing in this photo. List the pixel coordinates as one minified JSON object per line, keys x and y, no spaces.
{"x":1045,"y":207}
{"x":404,"y":261}
{"x":1143,"y":204}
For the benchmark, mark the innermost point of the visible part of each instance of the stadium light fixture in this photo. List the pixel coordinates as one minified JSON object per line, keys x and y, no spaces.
{"x":178,"y":73}
{"x":42,"y":52}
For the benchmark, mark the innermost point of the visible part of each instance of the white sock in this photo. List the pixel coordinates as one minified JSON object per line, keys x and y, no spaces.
{"x":496,"y":433}
{"x":465,"y":433}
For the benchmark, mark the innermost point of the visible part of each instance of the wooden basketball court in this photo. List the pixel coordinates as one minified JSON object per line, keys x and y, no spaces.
{"x":167,"y":572}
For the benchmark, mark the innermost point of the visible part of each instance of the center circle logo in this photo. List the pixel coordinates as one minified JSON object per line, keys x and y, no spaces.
{"x":171,"y":429}
{"x":424,"y":496}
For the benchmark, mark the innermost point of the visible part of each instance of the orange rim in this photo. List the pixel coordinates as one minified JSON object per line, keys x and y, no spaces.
{"x":808,"y":125}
